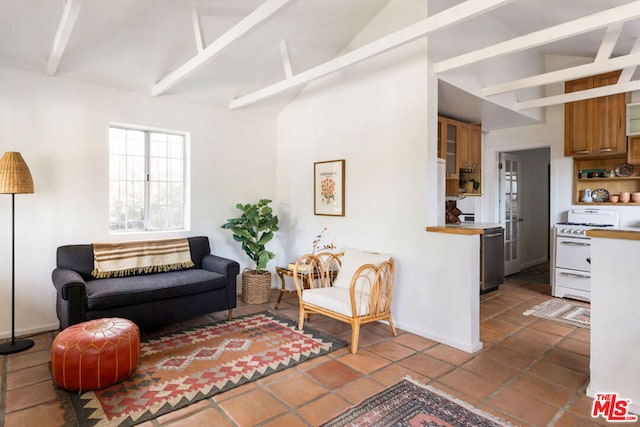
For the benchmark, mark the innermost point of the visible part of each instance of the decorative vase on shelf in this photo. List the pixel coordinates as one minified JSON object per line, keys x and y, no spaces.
{"x":586,"y":197}
{"x":468,"y":187}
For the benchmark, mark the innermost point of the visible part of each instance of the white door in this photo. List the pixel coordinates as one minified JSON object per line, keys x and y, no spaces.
{"x":510,"y":211}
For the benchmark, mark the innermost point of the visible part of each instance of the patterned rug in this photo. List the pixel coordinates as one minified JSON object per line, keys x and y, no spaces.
{"x":187,"y":366}
{"x":562,"y":311}
{"x":409,"y":403}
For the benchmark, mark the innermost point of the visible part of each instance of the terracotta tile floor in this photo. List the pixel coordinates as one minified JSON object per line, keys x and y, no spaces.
{"x":532,"y":372}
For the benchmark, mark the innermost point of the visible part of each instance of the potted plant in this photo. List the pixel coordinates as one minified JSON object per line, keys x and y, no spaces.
{"x":254,"y":228}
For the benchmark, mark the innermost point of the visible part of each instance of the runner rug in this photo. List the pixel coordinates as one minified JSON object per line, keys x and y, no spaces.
{"x":409,"y":403}
{"x":197,"y":363}
{"x":562,"y":311}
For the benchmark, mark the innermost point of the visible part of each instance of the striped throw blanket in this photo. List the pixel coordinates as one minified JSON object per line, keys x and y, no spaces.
{"x":129,"y":258}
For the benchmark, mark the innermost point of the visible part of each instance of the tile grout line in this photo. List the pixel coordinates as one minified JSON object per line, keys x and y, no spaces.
{"x":504,"y":385}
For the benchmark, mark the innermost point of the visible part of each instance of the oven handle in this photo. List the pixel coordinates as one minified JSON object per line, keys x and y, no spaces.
{"x":575,"y":243}
{"x":582,"y":276}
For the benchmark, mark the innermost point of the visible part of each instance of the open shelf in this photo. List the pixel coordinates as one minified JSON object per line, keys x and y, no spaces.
{"x":614,"y":185}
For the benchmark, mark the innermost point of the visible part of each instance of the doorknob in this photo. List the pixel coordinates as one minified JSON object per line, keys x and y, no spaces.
{"x":520,"y":220}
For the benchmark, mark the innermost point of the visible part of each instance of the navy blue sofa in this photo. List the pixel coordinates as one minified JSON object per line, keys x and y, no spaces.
{"x":149,"y":300}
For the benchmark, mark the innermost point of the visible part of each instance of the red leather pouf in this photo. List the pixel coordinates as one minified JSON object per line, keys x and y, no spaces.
{"x":95,"y":354}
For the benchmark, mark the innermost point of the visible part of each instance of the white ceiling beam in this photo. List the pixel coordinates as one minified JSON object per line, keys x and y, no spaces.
{"x":255,"y":18}
{"x":572,"y":73}
{"x":446,"y":18}
{"x":65,"y":28}
{"x":627,"y":72}
{"x":609,"y":41}
{"x":286,"y":59}
{"x":580,"y":95}
{"x":197,"y":29}
{"x":576,"y":27}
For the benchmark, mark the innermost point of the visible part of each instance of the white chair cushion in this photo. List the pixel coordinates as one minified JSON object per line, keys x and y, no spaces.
{"x":352,"y":260}
{"x":334,"y":299}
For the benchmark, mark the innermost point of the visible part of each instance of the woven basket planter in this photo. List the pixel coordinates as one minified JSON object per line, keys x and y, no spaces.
{"x":256,"y":286}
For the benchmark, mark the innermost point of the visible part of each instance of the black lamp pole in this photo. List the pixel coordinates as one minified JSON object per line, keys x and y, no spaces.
{"x":14,"y":345}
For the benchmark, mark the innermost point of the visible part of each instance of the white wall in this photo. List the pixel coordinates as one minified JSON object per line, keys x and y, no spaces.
{"x":61,"y":128}
{"x":381,"y":117}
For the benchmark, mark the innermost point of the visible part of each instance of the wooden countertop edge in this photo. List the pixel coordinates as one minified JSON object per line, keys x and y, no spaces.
{"x":455,"y":230}
{"x":615,"y":234}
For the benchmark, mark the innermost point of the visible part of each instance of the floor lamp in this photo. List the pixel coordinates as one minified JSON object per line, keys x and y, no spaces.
{"x":15,"y":178}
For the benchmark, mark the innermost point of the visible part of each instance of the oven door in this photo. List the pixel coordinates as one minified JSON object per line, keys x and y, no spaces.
{"x":573,"y":253}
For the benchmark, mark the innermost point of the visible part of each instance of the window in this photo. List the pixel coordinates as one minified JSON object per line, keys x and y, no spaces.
{"x":146,"y":180}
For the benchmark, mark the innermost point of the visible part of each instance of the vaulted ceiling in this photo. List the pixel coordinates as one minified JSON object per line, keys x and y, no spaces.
{"x":489,"y":54}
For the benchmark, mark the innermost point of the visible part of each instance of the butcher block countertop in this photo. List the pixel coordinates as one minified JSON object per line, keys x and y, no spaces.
{"x":468,"y":228}
{"x":624,"y":234}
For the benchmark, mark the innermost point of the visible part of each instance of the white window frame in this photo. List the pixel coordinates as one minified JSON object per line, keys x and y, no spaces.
{"x":147,"y":226}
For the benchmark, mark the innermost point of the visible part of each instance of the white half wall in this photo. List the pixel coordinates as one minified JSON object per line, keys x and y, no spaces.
{"x":61,"y":128}
{"x":381,"y":117}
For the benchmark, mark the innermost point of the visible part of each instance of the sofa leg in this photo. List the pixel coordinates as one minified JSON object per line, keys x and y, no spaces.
{"x":230,"y":315}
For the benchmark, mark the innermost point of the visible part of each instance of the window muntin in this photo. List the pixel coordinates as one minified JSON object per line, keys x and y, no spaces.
{"x":146,"y":180}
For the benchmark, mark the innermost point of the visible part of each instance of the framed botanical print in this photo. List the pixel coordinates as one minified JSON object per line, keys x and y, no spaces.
{"x":328,"y":184}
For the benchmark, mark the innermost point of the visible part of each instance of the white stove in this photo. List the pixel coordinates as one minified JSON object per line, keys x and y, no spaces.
{"x":571,"y":273}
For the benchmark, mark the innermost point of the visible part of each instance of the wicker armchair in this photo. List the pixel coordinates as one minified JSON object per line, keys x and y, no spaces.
{"x":354,"y":287}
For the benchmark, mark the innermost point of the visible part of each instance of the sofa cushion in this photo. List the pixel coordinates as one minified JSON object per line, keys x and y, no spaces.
{"x":116,"y":292}
{"x":336,"y":299}
{"x":352,"y":260}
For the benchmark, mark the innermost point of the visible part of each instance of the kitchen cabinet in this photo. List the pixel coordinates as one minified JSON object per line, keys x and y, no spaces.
{"x":459,"y":143}
{"x":633,"y":119}
{"x":633,"y":150}
{"x":448,"y":137}
{"x":596,"y":126}
{"x":613,"y":185}
{"x":469,"y":151}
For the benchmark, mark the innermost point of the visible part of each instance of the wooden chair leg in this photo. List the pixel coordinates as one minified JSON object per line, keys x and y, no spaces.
{"x":301,"y":319}
{"x":393,"y":329}
{"x":355,"y":335}
{"x":230,"y":314}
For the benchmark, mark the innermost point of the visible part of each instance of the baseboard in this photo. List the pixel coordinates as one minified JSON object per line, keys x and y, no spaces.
{"x":466,"y":347}
{"x":24,"y":333}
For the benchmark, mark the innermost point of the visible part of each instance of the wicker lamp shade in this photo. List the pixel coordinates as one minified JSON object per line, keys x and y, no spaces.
{"x":15,"y":177}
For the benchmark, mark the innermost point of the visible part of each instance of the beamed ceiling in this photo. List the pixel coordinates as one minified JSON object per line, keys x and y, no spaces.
{"x":491,"y":56}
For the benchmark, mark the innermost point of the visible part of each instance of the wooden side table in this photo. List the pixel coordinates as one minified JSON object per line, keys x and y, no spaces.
{"x":281,"y":272}
{"x":284,"y":271}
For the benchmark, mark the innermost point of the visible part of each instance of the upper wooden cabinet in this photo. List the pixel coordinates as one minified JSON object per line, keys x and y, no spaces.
{"x":449,"y":135}
{"x":459,"y":143}
{"x":469,"y":151}
{"x":633,"y":154}
{"x":595,"y":127}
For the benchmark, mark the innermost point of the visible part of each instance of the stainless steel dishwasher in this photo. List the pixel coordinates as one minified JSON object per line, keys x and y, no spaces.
{"x":491,"y":259}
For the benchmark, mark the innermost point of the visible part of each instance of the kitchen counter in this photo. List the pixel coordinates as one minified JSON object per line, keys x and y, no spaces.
{"x":468,"y":228}
{"x":622,"y":233}
{"x":458,"y":288}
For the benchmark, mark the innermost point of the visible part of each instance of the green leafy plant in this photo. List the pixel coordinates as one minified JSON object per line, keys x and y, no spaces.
{"x":254,"y":229}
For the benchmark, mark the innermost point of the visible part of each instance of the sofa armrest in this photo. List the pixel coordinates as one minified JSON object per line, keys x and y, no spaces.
{"x":68,"y":282}
{"x":220,"y":265}
{"x":71,"y":305}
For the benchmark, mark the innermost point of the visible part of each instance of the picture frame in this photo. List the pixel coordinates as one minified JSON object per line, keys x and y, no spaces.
{"x":328,"y":187}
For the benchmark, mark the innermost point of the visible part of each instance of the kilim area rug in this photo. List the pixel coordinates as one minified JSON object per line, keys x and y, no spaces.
{"x":187,"y":366}
{"x":409,"y":403}
{"x":562,"y":311}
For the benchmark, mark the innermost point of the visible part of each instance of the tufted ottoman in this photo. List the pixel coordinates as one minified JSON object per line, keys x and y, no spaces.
{"x":95,"y":354}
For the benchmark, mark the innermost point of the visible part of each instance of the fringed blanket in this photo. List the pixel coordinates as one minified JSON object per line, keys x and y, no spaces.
{"x":129,"y":258}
